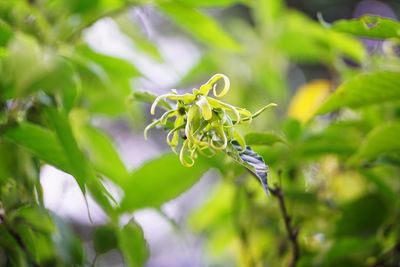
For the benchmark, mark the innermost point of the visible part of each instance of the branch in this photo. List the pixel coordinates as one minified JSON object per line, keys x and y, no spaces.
{"x":290,"y":229}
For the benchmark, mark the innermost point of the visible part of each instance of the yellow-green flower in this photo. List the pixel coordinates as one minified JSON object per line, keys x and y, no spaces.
{"x":201,"y":123}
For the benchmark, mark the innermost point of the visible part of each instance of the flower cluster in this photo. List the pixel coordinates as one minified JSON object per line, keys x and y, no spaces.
{"x":199,"y":123}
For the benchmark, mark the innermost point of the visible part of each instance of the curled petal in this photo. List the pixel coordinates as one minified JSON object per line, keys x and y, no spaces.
{"x":148,"y":127}
{"x":186,"y":155}
{"x":219,"y":104}
{"x":167,"y":115}
{"x":239,"y":138}
{"x":212,"y":84}
{"x":158,"y":99}
{"x":205,"y":107}
{"x":220,"y":133}
{"x":192,"y":113}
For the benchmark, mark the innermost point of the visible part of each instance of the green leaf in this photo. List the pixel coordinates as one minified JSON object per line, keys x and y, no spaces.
{"x":68,"y":245}
{"x":305,"y":40}
{"x":251,"y":161}
{"x":265,"y":139}
{"x":76,"y":159}
{"x":133,"y":245}
{"x":369,"y":26}
{"x":105,"y":239}
{"x":5,"y":33}
{"x":383,"y":139}
{"x":40,"y":142}
{"x":80,"y":167}
{"x":212,"y":3}
{"x":148,"y":97}
{"x":203,"y":27}
{"x":103,"y":154}
{"x":363,"y":90}
{"x":159,"y":180}
{"x":362,"y":216}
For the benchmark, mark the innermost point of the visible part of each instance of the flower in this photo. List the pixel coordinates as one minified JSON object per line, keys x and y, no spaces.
{"x":199,"y":123}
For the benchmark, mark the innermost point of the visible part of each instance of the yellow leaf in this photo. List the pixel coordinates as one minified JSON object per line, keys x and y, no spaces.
{"x":308,"y":99}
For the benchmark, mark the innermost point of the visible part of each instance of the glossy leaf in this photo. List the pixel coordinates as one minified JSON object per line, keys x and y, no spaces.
{"x":364,"y":89}
{"x":148,"y":186}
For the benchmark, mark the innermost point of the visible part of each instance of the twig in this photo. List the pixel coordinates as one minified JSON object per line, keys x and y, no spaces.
{"x":290,"y":229}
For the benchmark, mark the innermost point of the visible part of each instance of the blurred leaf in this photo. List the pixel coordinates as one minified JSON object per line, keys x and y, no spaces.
{"x":59,"y":121}
{"x":338,"y":253}
{"x":292,"y":129}
{"x":67,"y":244}
{"x":199,"y":25}
{"x":25,"y":63}
{"x":363,"y":90}
{"x":369,"y":26}
{"x":80,"y":167}
{"x":106,"y":80}
{"x":104,"y":239}
{"x":305,"y":40}
{"x":138,"y":36}
{"x":159,"y":180}
{"x":362,"y":216}
{"x":133,"y":245}
{"x":5,"y":33}
{"x":212,"y":3}
{"x":40,"y":142}
{"x":341,"y":139}
{"x":268,"y":12}
{"x":99,"y":147}
{"x":149,"y":97}
{"x":307,"y":99}
{"x":115,"y":67}
{"x":39,"y":220}
{"x":251,"y":161}
{"x":265,"y":139}
{"x":383,"y":139}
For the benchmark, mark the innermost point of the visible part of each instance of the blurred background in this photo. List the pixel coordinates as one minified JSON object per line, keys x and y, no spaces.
{"x":293,"y":53}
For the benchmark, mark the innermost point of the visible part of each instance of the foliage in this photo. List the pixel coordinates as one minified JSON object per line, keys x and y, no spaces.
{"x":331,"y":147}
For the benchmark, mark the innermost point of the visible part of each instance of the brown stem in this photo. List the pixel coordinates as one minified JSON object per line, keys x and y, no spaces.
{"x":290,"y":229}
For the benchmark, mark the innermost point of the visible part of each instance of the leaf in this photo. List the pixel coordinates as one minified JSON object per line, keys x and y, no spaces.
{"x":363,"y":90}
{"x":305,"y":40}
{"x":159,"y":180}
{"x":212,"y":3}
{"x":250,"y":160}
{"x":80,"y":167}
{"x":5,"y":33}
{"x":369,"y":26}
{"x":362,"y":216}
{"x":98,"y":146}
{"x":40,"y":142}
{"x":383,"y":139}
{"x":67,"y":244}
{"x":264,"y":138}
{"x":148,"y":97}
{"x":105,"y":239}
{"x":133,"y":245}
{"x":203,"y":27}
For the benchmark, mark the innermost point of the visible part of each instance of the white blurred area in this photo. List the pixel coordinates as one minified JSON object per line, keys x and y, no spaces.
{"x":169,"y":247}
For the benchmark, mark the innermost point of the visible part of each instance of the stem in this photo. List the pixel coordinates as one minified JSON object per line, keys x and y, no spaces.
{"x":292,"y":232}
